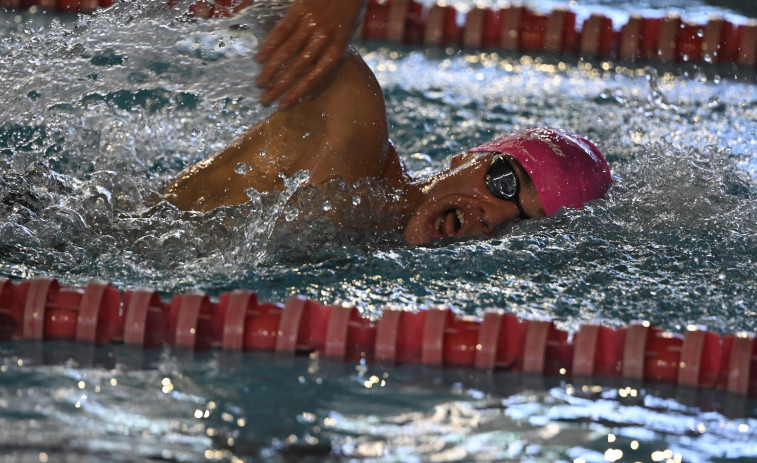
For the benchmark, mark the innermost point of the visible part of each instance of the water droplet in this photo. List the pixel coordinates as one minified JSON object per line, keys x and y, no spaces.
{"x":240,"y":168}
{"x":291,"y":213}
{"x":262,"y":153}
{"x":253,"y":194}
{"x":307,"y":134}
{"x":356,"y":200}
{"x":327,"y":206}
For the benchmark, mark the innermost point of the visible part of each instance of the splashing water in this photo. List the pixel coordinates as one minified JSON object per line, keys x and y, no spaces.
{"x":100,"y":112}
{"x":673,"y":243}
{"x":118,"y":103}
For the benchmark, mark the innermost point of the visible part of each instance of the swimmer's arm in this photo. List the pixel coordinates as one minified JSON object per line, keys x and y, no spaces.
{"x":303,"y":49}
{"x":354,"y":142}
{"x":342,"y":132}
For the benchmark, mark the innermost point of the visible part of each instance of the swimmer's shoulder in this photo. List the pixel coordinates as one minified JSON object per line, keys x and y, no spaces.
{"x":352,"y":112}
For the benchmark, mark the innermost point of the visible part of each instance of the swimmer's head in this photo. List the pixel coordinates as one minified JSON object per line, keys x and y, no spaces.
{"x":527,"y":174}
{"x":567,"y":170}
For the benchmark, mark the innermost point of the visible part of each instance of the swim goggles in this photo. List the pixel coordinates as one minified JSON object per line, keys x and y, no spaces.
{"x":503,"y":183}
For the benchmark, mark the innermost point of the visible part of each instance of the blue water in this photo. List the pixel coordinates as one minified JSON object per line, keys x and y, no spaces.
{"x":99,"y":113}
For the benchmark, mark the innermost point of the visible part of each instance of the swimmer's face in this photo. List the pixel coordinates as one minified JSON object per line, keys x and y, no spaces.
{"x":458,"y":202}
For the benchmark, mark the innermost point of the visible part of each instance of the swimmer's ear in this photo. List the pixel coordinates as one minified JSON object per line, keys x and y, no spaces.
{"x":460,"y":159}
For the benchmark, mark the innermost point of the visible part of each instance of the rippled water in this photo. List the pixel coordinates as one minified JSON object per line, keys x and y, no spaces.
{"x":118,"y":104}
{"x":170,"y":406}
{"x":99,"y":113}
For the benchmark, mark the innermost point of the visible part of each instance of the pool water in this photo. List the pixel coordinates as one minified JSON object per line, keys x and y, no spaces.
{"x":100,"y":112}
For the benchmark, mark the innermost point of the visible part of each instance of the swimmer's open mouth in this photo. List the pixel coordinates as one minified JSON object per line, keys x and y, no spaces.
{"x":449,"y":222}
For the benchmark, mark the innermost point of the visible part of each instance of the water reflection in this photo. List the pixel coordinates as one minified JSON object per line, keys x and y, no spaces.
{"x":178,"y":406}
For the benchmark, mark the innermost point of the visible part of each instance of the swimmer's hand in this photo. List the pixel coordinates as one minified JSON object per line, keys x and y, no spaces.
{"x":304,"y":46}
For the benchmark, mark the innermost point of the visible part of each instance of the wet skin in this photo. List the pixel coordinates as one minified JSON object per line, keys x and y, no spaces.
{"x":457,"y":202}
{"x":344,"y":132}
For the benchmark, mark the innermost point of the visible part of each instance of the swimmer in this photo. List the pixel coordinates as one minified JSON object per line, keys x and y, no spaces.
{"x":343,"y":132}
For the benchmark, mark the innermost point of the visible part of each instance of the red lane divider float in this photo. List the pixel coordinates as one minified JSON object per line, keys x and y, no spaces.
{"x":516,"y":29}
{"x":43,"y":309}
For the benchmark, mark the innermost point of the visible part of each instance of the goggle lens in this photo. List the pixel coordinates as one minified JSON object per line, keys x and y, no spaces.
{"x":501,"y":179}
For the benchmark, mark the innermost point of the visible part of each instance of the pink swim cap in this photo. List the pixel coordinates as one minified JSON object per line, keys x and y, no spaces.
{"x":567,"y":170}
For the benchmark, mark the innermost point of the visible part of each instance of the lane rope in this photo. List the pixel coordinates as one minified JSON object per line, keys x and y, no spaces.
{"x":42,"y":309}
{"x":517,"y":29}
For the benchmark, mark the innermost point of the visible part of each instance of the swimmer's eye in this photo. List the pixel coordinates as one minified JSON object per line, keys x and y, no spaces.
{"x":503,"y":183}
{"x":501,"y":179}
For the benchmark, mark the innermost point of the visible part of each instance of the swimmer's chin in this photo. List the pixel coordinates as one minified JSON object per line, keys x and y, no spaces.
{"x":417,"y":239}
{"x":446,"y":240}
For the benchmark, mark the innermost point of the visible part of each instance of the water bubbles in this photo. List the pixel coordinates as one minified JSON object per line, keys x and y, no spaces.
{"x":13,"y":234}
{"x":240,"y":168}
{"x":300,"y":178}
{"x":173,"y":238}
{"x":262,"y":153}
{"x":715,"y":104}
{"x":356,"y":200}
{"x":327,"y":206}
{"x":253,"y":194}
{"x":290,"y":213}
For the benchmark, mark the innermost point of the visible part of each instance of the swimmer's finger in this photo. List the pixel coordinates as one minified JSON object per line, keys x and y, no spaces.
{"x":293,"y":71}
{"x":310,"y":83}
{"x":276,"y":61}
{"x":277,"y":37}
